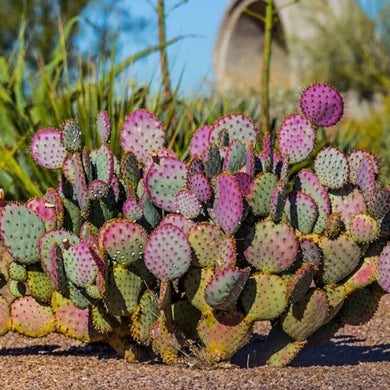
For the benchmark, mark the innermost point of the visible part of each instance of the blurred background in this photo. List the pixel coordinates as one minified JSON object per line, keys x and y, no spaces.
{"x":61,"y":59}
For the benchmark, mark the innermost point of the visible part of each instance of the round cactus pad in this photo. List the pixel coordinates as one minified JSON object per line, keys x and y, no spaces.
{"x":178,"y":220}
{"x":260,"y":193}
{"x":296,"y":138}
{"x":200,"y":142}
{"x":322,"y":105}
{"x":200,"y":187}
{"x":187,"y":204}
{"x":348,"y":204}
{"x":132,"y":210}
{"x":20,"y":230}
{"x":331,"y":168}
{"x":71,"y":136}
{"x":47,"y":149}
{"x":39,"y":286}
{"x":142,"y":133}
{"x":167,"y":252}
{"x":97,"y":189}
{"x":274,"y":247}
{"x":363,"y":228}
{"x":124,"y":241}
{"x":164,"y":180}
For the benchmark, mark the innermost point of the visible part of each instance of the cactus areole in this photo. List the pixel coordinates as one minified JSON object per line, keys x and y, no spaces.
{"x":144,"y":249}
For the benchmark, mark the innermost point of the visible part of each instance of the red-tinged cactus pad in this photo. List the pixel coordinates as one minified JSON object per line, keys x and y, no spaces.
{"x":228,"y":204}
{"x":260,"y":193}
{"x":363,"y":228}
{"x":124,"y":241}
{"x":69,"y":168}
{"x":239,"y":127}
{"x":71,"y":136}
{"x":47,"y":149}
{"x":225,"y":288}
{"x":5,"y":316}
{"x":178,"y":220}
{"x":274,"y":247}
{"x":104,"y":126}
{"x":142,"y":133}
{"x":383,"y":269}
{"x":122,"y":291}
{"x":365,"y":179}
{"x":45,"y":210}
{"x":244,"y":181}
{"x":264,"y":297}
{"x":308,"y":183}
{"x":39,"y":286}
{"x":235,"y":157}
{"x":226,"y":254}
{"x":53,"y":199}
{"x":200,"y":142}
{"x":348,"y":204}
{"x":300,"y":282}
{"x":187,"y":204}
{"x":20,"y":230}
{"x":302,"y":212}
{"x":167,"y":252}
{"x":97,"y":189}
{"x":195,"y":283}
{"x":364,"y":276}
{"x":80,"y":265}
{"x":322,"y":105}
{"x":355,"y":159}
{"x":307,"y":315}
{"x":130,"y":169}
{"x":132,"y":210}
{"x":310,"y":251}
{"x":331,"y":168}
{"x":205,"y":240}
{"x":81,"y":185}
{"x":145,"y":315}
{"x":223,"y":334}
{"x":32,"y":318}
{"x":164,"y":180}
{"x":200,"y":187}
{"x":341,"y":257}
{"x":296,"y":138}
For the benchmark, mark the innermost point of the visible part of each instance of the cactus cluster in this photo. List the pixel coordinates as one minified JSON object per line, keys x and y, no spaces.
{"x":146,"y":250}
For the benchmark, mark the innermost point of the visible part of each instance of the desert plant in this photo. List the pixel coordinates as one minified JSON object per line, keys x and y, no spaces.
{"x":144,"y":249}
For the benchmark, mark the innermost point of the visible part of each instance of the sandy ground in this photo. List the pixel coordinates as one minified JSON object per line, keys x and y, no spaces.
{"x":357,"y":358}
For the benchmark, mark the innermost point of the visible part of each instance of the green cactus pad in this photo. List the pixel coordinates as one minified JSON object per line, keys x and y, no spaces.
{"x":274,"y":247}
{"x":130,"y":169}
{"x":300,"y":282}
{"x":39,"y":286}
{"x":336,"y":295}
{"x":17,"y":289}
{"x":304,"y":317}
{"x":302,"y":212}
{"x":379,"y":205}
{"x":195,"y":283}
{"x":5,"y":316}
{"x":363,"y":228}
{"x":296,"y":138}
{"x":102,"y":163}
{"x":47,"y":149}
{"x":80,"y":187}
{"x":20,"y":230}
{"x":223,"y":334}
{"x":205,"y":240}
{"x":331,"y":168}
{"x":143,"y":318}
{"x":78,"y":296}
{"x":186,"y":316}
{"x":122,"y":291}
{"x":235,"y":158}
{"x":17,"y":272}
{"x":142,"y":133}
{"x":226,"y":254}
{"x":124,"y":241}
{"x":71,"y":136}
{"x":164,"y":180}
{"x":32,"y":318}
{"x":104,"y":126}
{"x":228,"y":205}
{"x":72,"y":217}
{"x":383,"y":269}
{"x":102,"y":321}
{"x":212,"y":162}
{"x":341,"y":257}
{"x":264,"y":297}
{"x":187,"y":204}
{"x":167,"y":252}
{"x":260,"y":192}
{"x":365,"y":275}
{"x":308,"y":183}
{"x":225,"y":288}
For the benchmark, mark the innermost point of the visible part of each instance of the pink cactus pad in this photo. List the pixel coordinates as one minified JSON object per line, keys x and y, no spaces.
{"x":97,"y":189}
{"x":348,"y":204}
{"x":167,"y":252}
{"x":187,"y":204}
{"x":296,"y":138}
{"x":239,"y":127}
{"x":200,"y":142}
{"x":383,"y":269}
{"x":365,"y":179}
{"x":364,"y":276}
{"x":142,"y":133}
{"x":355,"y":159}
{"x":164,"y":180}
{"x":322,"y":105}
{"x":244,"y":181}
{"x":200,"y":187}
{"x":228,"y":204}
{"x":226,"y":254}
{"x":45,"y":210}
{"x":178,"y":220}
{"x":47,"y":149}
{"x":363,"y":228}
{"x":132,"y":210}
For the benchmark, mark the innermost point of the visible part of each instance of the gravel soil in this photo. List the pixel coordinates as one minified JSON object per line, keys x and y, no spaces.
{"x":357,"y":358}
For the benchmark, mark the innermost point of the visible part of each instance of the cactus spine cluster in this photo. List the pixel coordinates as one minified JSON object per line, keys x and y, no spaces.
{"x":146,"y":250}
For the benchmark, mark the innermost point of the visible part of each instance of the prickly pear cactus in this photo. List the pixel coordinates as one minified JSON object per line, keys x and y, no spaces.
{"x":146,"y":249}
